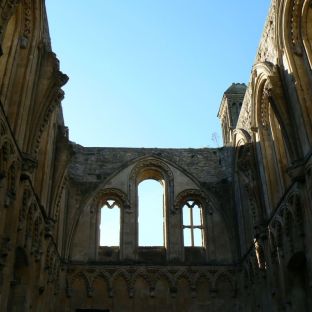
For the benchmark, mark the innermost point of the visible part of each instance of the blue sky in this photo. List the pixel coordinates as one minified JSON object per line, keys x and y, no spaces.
{"x":151,"y":73}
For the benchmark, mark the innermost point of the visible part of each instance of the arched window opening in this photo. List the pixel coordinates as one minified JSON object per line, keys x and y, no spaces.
{"x":151,"y":213}
{"x":110,"y":224}
{"x":192,"y":224}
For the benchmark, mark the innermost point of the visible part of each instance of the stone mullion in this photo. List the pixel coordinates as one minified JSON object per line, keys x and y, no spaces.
{"x":129,"y":229}
{"x":172,"y":243}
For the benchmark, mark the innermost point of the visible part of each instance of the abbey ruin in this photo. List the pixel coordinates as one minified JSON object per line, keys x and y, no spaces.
{"x":248,"y":202}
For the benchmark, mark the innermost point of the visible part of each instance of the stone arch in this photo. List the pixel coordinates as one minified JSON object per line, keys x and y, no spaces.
{"x":294,"y":34}
{"x":165,"y":275}
{"x":104,"y":276}
{"x":191,"y":194}
{"x":267,"y":89}
{"x":183,"y":274}
{"x":306,"y":30}
{"x":91,"y":209}
{"x":274,"y":131}
{"x":156,"y":169}
{"x":120,"y":200}
{"x":197,"y":198}
{"x":121,"y":273}
{"x":117,"y":195}
{"x":141,"y":274}
{"x":82,"y":276}
{"x":26,"y":38}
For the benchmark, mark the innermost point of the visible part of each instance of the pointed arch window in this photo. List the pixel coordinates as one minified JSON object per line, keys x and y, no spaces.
{"x":110,"y":223}
{"x":151,"y":213}
{"x":193,"y":234}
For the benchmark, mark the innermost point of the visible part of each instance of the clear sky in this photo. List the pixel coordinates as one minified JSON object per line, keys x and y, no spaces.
{"x":151,"y":73}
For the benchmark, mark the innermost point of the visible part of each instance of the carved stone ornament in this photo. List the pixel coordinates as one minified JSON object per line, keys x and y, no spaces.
{"x":295,"y":22}
{"x":151,"y":163}
{"x":117,"y":195}
{"x":191,"y":194}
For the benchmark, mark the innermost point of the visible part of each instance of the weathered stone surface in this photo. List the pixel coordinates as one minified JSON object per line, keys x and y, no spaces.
{"x":254,"y":193}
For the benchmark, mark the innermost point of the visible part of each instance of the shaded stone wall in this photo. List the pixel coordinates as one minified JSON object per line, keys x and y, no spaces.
{"x":255,"y":193}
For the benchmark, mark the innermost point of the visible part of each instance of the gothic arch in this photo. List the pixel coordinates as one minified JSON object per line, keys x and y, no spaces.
{"x":119,"y":196}
{"x":78,"y":276}
{"x":103,"y":276}
{"x":166,"y":276}
{"x":307,"y":29}
{"x":123,"y":274}
{"x":156,"y":169}
{"x":275,"y":132}
{"x":143,"y":275}
{"x":195,"y":194}
{"x":268,"y":90}
{"x":221,"y":277}
{"x":92,"y":206}
{"x":294,"y":43}
{"x":26,"y":41}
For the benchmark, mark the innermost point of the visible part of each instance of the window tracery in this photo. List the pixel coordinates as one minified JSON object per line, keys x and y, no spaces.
{"x":192,"y":224}
{"x":110,"y":223}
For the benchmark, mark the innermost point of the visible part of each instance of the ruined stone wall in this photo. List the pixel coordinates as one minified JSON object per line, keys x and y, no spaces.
{"x":273,"y":157}
{"x":131,"y":275}
{"x":255,"y":193}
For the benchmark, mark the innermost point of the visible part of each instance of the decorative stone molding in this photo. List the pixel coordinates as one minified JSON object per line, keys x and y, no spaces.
{"x":190,"y":194}
{"x":295,"y":25}
{"x":117,"y":195}
{"x":151,"y":275}
{"x":151,"y":163}
{"x":7,"y":11}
